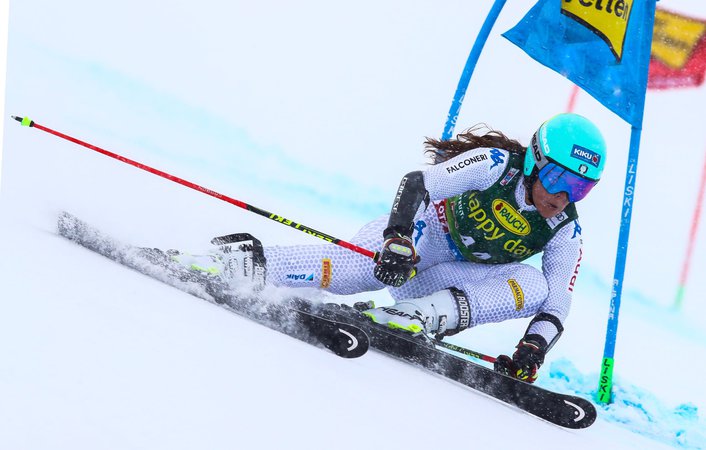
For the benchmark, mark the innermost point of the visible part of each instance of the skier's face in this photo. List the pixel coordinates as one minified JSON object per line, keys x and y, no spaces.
{"x":548,"y":205}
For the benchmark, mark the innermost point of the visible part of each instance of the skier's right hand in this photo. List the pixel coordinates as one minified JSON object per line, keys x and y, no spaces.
{"x":396,"y":260}
{"x":526,"y":360}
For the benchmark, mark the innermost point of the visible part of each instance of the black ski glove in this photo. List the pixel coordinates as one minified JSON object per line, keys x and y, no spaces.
{"x":526,"y":361}
{"x":396,"y":260}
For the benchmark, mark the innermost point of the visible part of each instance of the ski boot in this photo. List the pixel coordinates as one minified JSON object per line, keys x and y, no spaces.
{"x":237,"y":262}
{"x":443,"y":313}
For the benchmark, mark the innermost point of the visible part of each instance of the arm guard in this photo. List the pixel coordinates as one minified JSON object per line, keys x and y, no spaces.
{"x":546,"y":317}
{"x":410,"y":194}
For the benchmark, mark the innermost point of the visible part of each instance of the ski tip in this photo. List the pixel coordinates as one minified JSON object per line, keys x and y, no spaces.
{"x":67,"y":224}
{"x":65,"y":216}
{"x":582,"y":414}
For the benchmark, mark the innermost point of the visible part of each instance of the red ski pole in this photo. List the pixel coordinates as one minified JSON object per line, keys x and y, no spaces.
{"x":277,"y":218}
{"x":465,"y":351}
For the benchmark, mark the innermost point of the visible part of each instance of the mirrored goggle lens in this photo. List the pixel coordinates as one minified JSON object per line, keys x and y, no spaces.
{"x":557,"y":179}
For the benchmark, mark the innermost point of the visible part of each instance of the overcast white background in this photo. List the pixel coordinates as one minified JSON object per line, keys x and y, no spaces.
{"x":312,"y":111}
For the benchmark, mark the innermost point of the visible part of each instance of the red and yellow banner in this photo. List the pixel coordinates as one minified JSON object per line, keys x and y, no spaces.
{"x":678,"y":57}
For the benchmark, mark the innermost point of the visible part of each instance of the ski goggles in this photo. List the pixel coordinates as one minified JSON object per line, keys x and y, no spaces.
{"x":556,"y":178}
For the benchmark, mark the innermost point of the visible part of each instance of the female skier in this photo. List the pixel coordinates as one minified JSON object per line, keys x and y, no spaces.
{"x":452,"y":245}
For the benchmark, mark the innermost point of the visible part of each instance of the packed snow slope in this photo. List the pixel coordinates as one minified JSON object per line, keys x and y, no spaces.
{"x":313,"y":111}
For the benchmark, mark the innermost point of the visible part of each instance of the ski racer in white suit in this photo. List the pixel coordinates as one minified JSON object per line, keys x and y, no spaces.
{"x":452,"y":246}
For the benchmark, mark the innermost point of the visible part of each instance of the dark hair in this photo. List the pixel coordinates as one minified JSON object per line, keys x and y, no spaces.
{"x":441,"y":151}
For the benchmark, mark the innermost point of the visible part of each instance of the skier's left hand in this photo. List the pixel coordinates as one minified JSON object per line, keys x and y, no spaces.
{"x":395,"y":262}
{"x":526,"y":361}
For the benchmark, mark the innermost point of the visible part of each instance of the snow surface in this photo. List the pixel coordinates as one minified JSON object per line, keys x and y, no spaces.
{"x":312,"y":110}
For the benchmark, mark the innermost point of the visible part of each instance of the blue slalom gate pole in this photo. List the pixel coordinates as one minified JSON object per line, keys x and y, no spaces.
{"x":605,"y":381}
{"x":470,"y":67}
{"x":605,"y":384}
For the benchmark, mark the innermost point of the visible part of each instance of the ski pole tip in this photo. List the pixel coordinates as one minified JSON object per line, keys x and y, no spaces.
{"x":25,"y":121}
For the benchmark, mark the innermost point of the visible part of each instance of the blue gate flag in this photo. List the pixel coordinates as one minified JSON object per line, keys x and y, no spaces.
{"x":603,"y":46}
